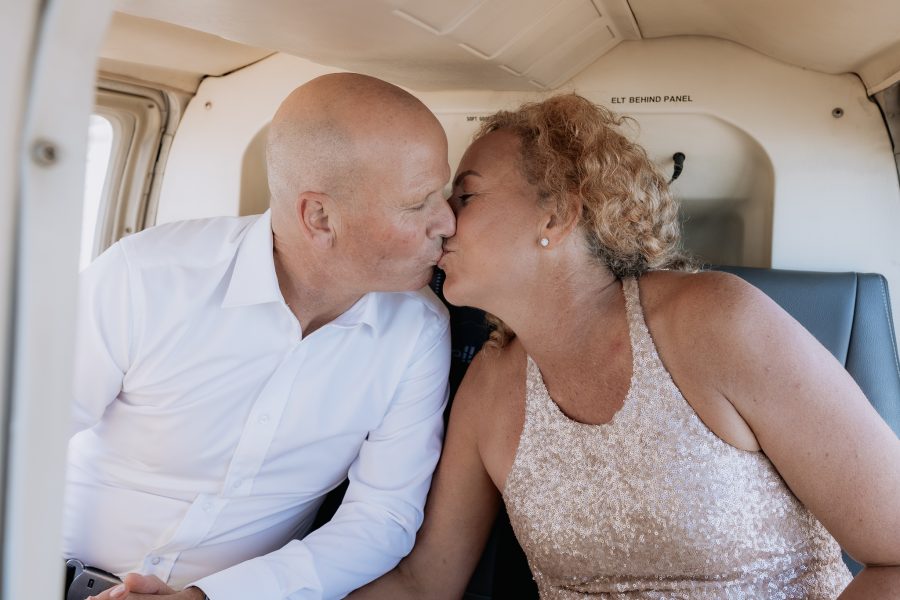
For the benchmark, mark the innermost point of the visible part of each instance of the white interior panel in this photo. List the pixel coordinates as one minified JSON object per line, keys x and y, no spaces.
{"x":544,"y":41}
{"x":726,"y":190}
{"x":147,"y":46}
{"x":422,"y":43}
{"x":836,"y":200}
{"x":496,"y":23}
{"x":160,"y":77}
{"x":619,"y":11}
{"x":577,"y":52}
{"x":881,"y":71}
{"x":203,"y":171}
{"x":48,"y":193}
{"x":563,"y":20}
{"x":833,"y":36}
{"x":151,"y":42}
{"x":763,"y":149}
{"x":437,"y":16}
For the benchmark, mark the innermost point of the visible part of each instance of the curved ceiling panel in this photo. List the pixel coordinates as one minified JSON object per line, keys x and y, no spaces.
{"x":426,"y":44}
{"x":832,"y":36}
{"x":154,"y":50}
{"x":520,"y":44}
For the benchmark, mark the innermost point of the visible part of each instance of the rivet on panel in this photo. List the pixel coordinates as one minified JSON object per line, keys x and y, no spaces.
{"x":44,"y":153}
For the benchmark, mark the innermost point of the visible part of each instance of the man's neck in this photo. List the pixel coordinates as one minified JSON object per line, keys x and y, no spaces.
{"x":310,"y":291}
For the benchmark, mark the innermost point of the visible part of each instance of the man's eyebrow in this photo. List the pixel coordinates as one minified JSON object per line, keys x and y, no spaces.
{"x":463,"y":175}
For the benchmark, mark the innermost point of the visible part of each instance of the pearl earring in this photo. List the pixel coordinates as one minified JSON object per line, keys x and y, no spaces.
{"x":544,"y":242}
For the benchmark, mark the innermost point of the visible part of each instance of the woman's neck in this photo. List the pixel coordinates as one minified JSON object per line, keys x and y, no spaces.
{"x":566,"y":316}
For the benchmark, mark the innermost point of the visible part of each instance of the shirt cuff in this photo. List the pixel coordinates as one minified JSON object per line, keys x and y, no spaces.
{"x":255,"y":578}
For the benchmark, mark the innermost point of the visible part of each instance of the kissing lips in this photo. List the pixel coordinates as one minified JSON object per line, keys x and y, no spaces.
{"x":440,"y":262}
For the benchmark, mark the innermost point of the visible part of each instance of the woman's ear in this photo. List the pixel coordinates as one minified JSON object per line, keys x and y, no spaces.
{"x":317,"y":218}
{"x":558,"y":224}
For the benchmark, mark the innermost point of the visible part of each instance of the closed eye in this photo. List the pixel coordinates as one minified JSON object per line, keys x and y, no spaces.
{"x":419,"y":206}
{"x":464,"y":198}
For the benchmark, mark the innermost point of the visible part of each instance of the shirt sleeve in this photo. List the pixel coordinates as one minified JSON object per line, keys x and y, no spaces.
{"x":376,"y":524}
{"x":102,"y":336}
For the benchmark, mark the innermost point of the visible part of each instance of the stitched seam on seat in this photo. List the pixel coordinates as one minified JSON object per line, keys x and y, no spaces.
{"x":848,"y":349}
{"x":890,"y":325}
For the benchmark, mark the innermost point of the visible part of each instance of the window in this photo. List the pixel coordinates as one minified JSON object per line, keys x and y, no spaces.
{"x":100,"y":143}
{"x":126,"y":142}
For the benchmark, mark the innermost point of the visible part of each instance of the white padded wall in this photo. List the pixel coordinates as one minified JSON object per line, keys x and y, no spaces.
{"x":755,"y":127}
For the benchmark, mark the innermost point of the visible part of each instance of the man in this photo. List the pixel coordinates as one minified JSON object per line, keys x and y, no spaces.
{"x":231,"y":371}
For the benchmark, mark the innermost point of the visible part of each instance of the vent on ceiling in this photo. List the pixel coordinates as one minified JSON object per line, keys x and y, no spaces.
{"x":545,"y":42}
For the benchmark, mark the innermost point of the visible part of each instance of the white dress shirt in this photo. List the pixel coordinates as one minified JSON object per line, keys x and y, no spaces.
{"x":207,"y":428}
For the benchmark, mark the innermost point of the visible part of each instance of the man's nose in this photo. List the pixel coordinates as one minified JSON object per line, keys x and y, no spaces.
{"x":444,"y":224}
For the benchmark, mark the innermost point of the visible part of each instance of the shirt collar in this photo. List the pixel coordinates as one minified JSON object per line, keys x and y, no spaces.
{"x":253,"y":279}
{"x":363,"y":311}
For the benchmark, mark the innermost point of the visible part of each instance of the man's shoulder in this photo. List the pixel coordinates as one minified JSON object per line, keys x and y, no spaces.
{"x":413,"y":308}
{"x":194,"y":242}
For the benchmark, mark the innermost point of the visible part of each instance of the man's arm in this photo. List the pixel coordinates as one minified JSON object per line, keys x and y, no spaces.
{"x":376,"y":524}
{"x":103,"y":336}
{"x":462,"y":506}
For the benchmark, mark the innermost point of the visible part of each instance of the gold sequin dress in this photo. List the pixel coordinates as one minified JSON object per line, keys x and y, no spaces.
{"x":654,"y":505}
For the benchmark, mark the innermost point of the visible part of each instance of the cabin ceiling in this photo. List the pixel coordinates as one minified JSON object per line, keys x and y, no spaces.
{"x":491,"y":44}
{"x":154,"y":50}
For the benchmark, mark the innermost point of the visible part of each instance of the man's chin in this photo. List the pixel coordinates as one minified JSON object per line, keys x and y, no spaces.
{"x":428,"y":276}
{"x":412,"y":284}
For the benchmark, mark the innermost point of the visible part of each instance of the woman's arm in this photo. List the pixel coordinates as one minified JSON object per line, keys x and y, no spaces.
{"x":459,"y":513}
{"x":811,"y":419}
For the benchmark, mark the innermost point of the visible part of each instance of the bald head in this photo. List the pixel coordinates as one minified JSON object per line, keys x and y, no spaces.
{"x":323,"y":136}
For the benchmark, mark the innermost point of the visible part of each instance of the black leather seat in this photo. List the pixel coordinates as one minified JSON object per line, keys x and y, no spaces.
{"x":849,"y":313}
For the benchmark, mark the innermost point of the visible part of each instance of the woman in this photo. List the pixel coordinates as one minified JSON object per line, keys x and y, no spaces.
{"x":652,"y":432}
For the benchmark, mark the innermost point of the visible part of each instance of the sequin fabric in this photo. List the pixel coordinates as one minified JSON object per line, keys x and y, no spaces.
{"x":654,"y":505}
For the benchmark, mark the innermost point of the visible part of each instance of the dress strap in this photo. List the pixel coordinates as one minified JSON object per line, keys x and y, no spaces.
{"x":633,"y":311}
{"x":537,"y":398}
{"x":642,"y":348}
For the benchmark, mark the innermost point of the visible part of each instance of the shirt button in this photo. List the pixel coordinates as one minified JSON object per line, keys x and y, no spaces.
{"x":263,"y":419}
{"x":154,"y":560}
{"x":208,"y":506}
{"x":238,"y":483}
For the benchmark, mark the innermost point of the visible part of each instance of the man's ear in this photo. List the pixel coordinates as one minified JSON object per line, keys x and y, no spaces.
{"x":317,"y":218}
{"x":558,"y":224}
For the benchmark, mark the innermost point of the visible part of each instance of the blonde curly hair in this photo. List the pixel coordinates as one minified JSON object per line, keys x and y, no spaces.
{"x":571,"y":146}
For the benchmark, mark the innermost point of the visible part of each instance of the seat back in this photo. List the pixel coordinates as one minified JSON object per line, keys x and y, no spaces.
{"x":849,"y":313}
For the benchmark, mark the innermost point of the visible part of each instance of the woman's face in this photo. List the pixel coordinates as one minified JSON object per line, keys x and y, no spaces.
{"x":498,"y":225}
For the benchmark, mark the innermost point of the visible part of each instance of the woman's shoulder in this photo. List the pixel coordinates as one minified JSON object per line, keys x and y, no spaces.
{"x":710,"y":318}
{"x":495,"y":367}
{"x":705,"y":297}
{"x":707,"y":327}
{"x":495,"y":375}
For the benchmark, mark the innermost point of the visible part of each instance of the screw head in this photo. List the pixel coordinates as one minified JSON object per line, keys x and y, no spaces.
{"x":44,"y":153}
